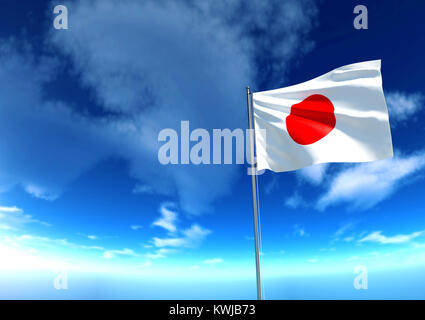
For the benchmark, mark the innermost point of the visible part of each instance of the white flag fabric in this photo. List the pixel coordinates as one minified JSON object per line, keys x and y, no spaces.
{"x":340,"y":116}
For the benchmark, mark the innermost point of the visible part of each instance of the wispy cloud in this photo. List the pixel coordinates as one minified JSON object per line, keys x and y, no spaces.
{"x":136,"y":227}
{"x":191,"y":238}
{"x":160,"y":253}
{"x":340,"y":234}
{"x":35,"y":241}
{"x":295,"y":201}
{"x":213,"y":261}
{"x":367,"y":184}
{"x":10,"y":209}
{"x":343,"y":229}
{"x":41,"y":192}
{"x":168,"y":218}
{"x":90,"y":236}
{"x":169,"y":242}
{"x":14,"y":218}
{"x":113,"y":253}
{"x":30,"y":242}
{"x":378,"y":237}
{"x":403,"y":105}
{"x":313,"y":174}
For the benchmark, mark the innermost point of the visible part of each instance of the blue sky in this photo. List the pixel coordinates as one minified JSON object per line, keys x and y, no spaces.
{"x":81,"y":188}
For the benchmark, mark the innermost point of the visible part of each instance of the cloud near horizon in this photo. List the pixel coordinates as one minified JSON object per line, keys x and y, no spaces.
{"x":378,"y":237}
{"x":14,"y":218}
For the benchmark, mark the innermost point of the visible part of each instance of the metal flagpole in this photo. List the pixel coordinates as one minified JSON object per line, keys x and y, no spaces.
{"x":254,"y":193}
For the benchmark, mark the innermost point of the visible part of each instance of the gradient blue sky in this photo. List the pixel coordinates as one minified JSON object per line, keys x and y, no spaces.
{"x":81,"y":188}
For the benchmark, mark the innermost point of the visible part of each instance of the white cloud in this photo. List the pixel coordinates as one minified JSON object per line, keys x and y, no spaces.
{"x":169,"y":242}
{"x":41,"y":192}
{"x":168,"y":218}
{"x":34,"y":241}
{"x":144,"y":86}
{"x":213,"y":261}
{"x":160,"y":253}
{"x":92,"y":237}
{"x":378,"y":237}
{"x":112,"y":253}
{"x":364,"y":185}
{"x":195,"y":233}
{"x":192,"y":237}
{"x":294,"y":201}
{"x":343,"y":230}
{"x":13,"y":218}
{"x":136,"y":227}
{"x":313,"y":174}
{"x":139,"y":78}
{"x":403,"y":105}
{"x":154,"y":256}
{"x":10,"y":209}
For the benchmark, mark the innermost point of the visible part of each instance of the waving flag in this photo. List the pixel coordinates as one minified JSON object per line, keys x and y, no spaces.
{"x":340,"y":116}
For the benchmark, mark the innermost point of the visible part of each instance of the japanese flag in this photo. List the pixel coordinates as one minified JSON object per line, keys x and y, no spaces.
{"x":340,"y":116}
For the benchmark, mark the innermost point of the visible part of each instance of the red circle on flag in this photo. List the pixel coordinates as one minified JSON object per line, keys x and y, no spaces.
{"x":311,"y":120}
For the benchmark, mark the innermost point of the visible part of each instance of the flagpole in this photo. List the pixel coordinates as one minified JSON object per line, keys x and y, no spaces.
{"x":254,"y":193}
